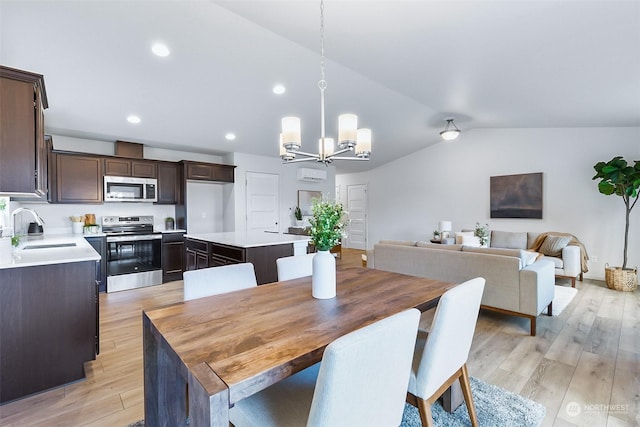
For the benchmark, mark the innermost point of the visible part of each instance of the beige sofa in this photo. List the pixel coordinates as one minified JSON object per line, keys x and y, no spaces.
{"x":512,"y":286}
{"x":567,"y":264}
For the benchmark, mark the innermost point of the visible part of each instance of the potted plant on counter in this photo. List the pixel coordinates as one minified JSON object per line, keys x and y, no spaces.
{"x":169,"y":223}
{"x":619,"y":178}
{"x":298,"y":215}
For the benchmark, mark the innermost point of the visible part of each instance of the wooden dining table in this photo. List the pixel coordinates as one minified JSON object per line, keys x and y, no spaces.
{"x":202,"y":356}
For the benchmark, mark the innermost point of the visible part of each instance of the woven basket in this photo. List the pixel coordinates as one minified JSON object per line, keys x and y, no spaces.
{"x":621,"y":280}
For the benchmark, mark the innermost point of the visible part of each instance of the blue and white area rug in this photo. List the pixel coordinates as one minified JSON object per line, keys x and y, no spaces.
{"x":495,"y":406}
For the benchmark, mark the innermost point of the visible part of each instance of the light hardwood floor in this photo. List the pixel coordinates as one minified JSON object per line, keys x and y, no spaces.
{"x":583,"y":365}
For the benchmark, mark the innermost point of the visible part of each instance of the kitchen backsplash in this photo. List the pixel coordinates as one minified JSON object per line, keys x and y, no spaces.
{"x":57,"y":216}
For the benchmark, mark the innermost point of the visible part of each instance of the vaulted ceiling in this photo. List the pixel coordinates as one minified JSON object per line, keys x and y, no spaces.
{"x":402,"y":66}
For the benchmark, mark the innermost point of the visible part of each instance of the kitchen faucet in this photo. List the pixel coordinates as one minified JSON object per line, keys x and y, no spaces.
{"x":39,"y":220}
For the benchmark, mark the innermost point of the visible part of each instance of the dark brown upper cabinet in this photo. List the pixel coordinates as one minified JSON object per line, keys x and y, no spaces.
{"x":76,"y":178}
{"x":117,"y":166}
{"x":208,"y":171}
{"x":23,"y":156}
{"x":169,"y":183}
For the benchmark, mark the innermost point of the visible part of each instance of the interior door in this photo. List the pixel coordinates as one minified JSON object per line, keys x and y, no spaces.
{"x":357,"y":207}
{"x":262,"y":201}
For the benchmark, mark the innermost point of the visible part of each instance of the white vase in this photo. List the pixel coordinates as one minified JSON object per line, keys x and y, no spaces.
{"x":323,"y":279}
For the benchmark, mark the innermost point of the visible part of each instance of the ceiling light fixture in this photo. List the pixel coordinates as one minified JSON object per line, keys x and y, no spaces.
{"x":133,"y":119}
{"x":279,"y":89}
{"x":160,"y":49}
{"x":449,"y":133}
{"x":350,"y":138}
{"x":230,"y":136}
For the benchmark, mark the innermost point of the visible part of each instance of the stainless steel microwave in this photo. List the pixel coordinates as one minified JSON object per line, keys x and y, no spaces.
{"x":129,"y":189}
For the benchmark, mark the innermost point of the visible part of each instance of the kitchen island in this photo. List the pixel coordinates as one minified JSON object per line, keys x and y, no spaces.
{"x":48,"y":314}
{"x":259,"y":248}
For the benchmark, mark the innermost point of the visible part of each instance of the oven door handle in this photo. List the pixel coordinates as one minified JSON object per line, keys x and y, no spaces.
{"x":132,"y":238}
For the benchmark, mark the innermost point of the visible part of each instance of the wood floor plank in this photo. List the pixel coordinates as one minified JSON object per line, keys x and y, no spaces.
{"x":590,"y":388}
{"x":625,"y":394}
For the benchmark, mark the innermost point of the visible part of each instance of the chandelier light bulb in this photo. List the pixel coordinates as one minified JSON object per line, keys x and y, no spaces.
{"x":291,"y":133}
{"x":347,"y":130}
{"x":328,"y":146}
{"x":363,"y":147}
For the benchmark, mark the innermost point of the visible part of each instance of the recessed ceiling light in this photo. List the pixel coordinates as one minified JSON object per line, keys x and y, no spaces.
{"x":133,"y":119}
{"x":160,"y":49}
{"x":230,"y":136}
{"x":279,"y":89}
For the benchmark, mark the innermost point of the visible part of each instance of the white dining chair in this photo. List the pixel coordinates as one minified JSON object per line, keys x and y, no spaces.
{"x":361,"y":381}
{"x":217,"y":280}
{"x":440,"y":356}
{"x":292,"y":267}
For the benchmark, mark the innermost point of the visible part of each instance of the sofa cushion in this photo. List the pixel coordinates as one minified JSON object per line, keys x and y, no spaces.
{"x":557,"y":262}
{"x":509,"y":239}
{"x":553,"y":245}
{"x":438,"y":246}
{"x":399,"y":242}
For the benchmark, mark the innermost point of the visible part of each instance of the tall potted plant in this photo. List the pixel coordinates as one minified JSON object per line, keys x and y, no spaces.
{"x":619,"y":178}
{"x":327,"y":225}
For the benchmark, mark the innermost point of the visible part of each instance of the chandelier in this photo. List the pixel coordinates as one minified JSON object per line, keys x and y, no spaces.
{"x":350,"y":138}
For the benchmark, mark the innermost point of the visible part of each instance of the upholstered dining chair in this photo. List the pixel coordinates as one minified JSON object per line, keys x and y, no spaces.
{"x":440,"y":356}
{"x":361,"y":381}
{"x":292,"y":267}
{"x":217,"y":280}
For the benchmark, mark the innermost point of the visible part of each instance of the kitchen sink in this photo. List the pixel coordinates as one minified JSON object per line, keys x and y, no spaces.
{"x":49,"y":246}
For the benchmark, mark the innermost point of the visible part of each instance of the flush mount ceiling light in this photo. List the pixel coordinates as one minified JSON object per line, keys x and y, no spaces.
{"x":230,"y":136}
{"x":279,"y":89}
{"x":160,"y":49}
{"x":350,"y":138}
{"x":450,"y":131}
{"x":133,"y":119}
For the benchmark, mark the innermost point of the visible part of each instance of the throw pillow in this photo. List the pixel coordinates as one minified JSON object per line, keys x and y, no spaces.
{"x":470,"y":241}
{"x":553,"y":245}
{"x":528,"y":257}
{"x":460,"y":234}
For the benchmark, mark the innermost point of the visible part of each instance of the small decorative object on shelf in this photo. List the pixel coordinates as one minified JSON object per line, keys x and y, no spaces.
{"x":482,"y":233}
{"x":327,"y":225}
{"x":436,"y":235}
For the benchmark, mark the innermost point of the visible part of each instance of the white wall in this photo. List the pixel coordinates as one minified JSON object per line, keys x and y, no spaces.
{"x":450,"y":181}
{"x":289,"y":187}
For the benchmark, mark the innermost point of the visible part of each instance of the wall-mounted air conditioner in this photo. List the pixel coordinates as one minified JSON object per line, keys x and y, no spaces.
{"x":313,"y":175}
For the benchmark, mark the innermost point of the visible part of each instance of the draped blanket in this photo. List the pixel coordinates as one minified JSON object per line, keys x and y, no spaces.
{"x":584,"y":257}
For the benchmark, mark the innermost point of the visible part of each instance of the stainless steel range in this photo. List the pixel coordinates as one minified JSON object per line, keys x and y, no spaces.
{"x":134,"y":252}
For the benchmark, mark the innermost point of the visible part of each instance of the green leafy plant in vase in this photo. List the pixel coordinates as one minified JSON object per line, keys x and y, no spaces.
{"x":619,"y":178}
{"x":327,"y":228}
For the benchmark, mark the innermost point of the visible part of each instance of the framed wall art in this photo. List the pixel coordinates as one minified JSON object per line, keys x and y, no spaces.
{"x":516,"y":196}
{"x":305,"y":200}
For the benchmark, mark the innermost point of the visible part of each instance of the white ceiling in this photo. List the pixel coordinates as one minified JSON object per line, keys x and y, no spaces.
{"x":402,"y":66}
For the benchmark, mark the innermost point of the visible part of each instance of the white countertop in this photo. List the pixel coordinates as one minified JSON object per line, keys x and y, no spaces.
{"x":243,"y":239}
{"x":82,"y":251}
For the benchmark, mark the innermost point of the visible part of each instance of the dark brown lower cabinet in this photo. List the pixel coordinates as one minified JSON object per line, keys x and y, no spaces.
{"x":48,"y":326}
{"x":172,"y":256}
{"x":202,"y":254}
